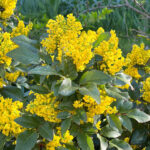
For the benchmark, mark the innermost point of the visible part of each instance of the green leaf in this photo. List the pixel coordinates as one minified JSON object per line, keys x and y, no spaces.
{"x":120,"y":145}
{"x":123,"y":106}
{"x":39,"y":89}
{"x":46,"y":131}
{"x":90,"y":142}
{"x":126,"y":122}
{"x":26,"y":54}
{"x":95,"y":76}
{"x":28,"y":121}
{"x":61,"y":148}
{"x":134,"y":93}
{"x":104,"y":36}
{"x":116,"y":93}
{"x":19,"y":39}
{"x":65,"y":125}
{"x":114,"y":122}
{"x":103,"y":142}
{"x":139,"y":116}
{"x":139,"y":136}
{"x":69,"y":68}
{"x":2,"y":141}
{"x":43,"y":70}
{"x":84,"y":141}
{"x":66,"y":88}
{"x":26,"y":140}
{"x":46,"y":58}
{"x":12,"y":92}
{"x":63,"y":115}
{"x":122,"y":79}
{"x":91,"y":90}
{"x":110,"y":132}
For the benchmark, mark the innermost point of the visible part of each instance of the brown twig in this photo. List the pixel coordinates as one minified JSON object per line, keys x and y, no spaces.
{"x":140,"y":6}
{"x":136,"y":10}
{"x":99,"y":7}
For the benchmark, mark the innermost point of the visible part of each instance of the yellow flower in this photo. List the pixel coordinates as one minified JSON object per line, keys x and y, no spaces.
{"x":21,"y":29}
{"x":113,"y":61}
{"x":58,"y":140}
{"x":7,"y":8}
{"x":146,"y":90}
{"x":9,"y":111}
{"x":98,"y":125}
{"x":6,"y":45}
{"x":12,"y":76}
{"x":44,"y":105}
{"x":78,"y":104}
{"x":138,"y":56}
{"x":97,"y":109}
{"x":66,"y":38}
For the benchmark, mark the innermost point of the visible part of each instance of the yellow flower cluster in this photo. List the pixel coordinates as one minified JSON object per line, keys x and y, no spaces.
{"x":96,"y":109}
{"x":21,"y":29}
{"x":6,"y":45}
{"x":65,"y":35}
{"x":7,"y":8}
{"x":58,"y":29}
{"x":9,"y":111}
{"x":12,"y":76}
{"x":146,"y":89}
{"x":138,"y":56}
{"x":113,"y":61}
{"x":2,"y":83}
{"x":66,"y":38}
{"x":44,"y":105}
{"x":78,"y":48}
{"x":59,"y":140}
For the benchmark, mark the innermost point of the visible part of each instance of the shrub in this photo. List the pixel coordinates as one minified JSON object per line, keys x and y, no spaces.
{"x":71,"y":89}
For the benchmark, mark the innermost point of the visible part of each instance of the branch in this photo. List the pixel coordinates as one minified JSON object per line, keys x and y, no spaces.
{"x":136,"y":10}
{"x":140,"y":6}
{"x":98,"y":7}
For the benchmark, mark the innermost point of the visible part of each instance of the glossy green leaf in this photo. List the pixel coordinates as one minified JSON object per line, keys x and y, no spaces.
{"x":114,"y":122}
{"x":66,"y":88}
{"x":126,"y":122}
{"x":46,"y":131}
{"x":139,"y":116}
{"x":25,"y":53}
{"x":139,"y":136}
{"x":39,"y":89}
{"x":103,"y":142}
{"x":63,"y":115}
{"x":104,"y":36}
{"x":120,"y":145}
{"x":109,"y":132}
{"x":28,"y":121}
{"x":95,"y":76}
{"x":84,"y":141}
{"x":26,"y":140}
{"x":65,"y":125}
{"x":43,"y":70}
{"x":2,"y":141}
{"x":12,"y":92}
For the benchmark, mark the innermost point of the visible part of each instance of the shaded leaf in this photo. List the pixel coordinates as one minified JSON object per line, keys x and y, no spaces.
{"x":91,"y":90}
{"x":46,"y":131}
{"x":26,"y":140}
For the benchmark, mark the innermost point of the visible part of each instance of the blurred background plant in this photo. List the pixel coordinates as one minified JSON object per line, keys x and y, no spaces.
{"x":130,"y":19}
